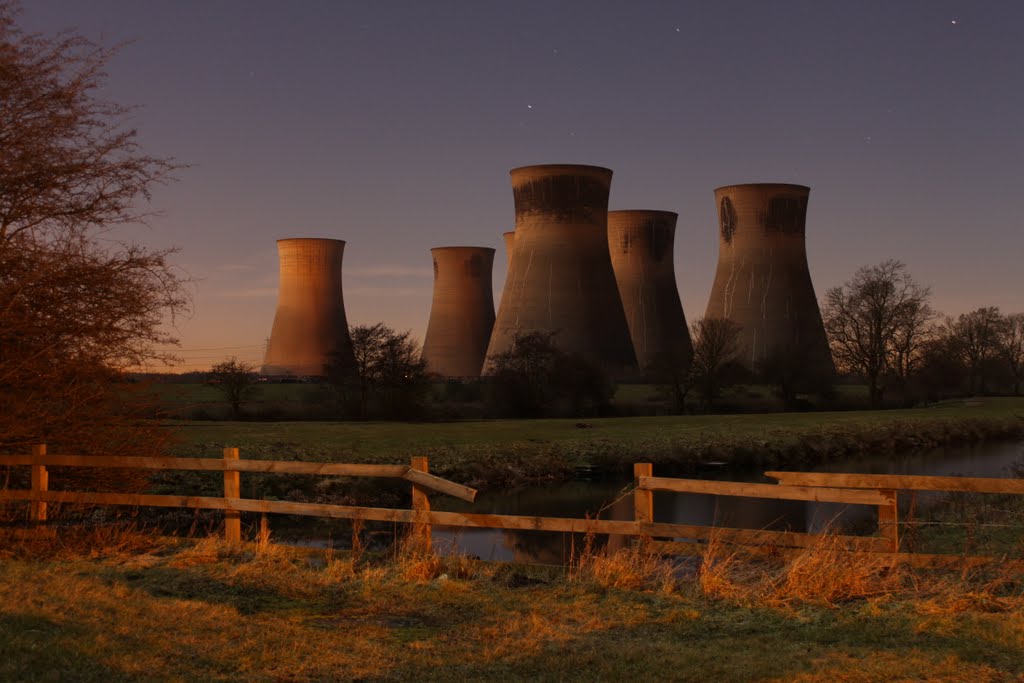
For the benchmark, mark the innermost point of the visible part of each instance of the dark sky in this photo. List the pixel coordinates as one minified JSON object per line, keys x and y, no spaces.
{"x":393,"y":126}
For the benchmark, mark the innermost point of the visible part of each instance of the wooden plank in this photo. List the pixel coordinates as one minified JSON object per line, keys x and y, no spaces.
{"x":732,"y":488}
{"x":232,"y":489}
{"x":212,"y":464}
{"x":761,"y":536}
{"x":888,"y":522}
{"x":918,"y":560}
{"x":643,"y":499}
{"x":900,"y":481}
{"x":426,"y":480}
{"x":421,"y":504}
{"x":40,"y":483}
{"x":523,"y":523}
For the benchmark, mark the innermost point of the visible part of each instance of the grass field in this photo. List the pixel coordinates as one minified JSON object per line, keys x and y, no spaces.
{"x":130,"y":607}
{"x":499,"y":452}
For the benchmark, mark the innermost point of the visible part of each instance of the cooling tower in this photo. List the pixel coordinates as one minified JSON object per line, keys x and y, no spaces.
{"x":560,"y":278}
{"x":462,"y":312}
{"x":310,"y":320}
{"x":641,"y":244}
{"x":762,"y":281}
{"x":510,"y":242}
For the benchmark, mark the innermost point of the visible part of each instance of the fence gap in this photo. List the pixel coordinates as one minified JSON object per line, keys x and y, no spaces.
{"x":232,"y":489}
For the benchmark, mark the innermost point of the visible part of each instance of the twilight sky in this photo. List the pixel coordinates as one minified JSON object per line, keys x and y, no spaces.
{"x":392,"y":125}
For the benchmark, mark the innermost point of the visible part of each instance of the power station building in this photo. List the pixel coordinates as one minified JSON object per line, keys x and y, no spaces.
{"x":560,"y":278}
{"x":462,"y":311}
{"x":641,"y":244}
{"x":763,"y":282}
{"x":310,"y":322}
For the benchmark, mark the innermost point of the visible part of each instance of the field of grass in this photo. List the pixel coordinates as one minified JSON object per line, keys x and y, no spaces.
{"x":501,"y":452}
{"x":122,"y":606}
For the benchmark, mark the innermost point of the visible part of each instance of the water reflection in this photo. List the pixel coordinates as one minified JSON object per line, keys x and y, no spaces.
{"x":612,"y":500}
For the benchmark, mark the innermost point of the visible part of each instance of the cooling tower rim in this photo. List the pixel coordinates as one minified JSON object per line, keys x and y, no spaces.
{"x":318,"y":240}
{"x":764,"y":186}
{"x":643,"y":212}
{"x":508,"y":232}
{"x":462,"y":248}
{"x":566,"y":168}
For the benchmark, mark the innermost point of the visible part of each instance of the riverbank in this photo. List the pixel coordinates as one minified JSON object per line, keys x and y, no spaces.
{"x":490,"y":454}
{"x":121,"y":606}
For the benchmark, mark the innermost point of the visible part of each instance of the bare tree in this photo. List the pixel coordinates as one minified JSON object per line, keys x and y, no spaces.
{"x":389,"y":373}
{"x":716,"y":346}
{"x":974,"y":338}
{"x":1010,"y":344}
{"x":875,"y":323}
{"x":236,"y":380}
{"x":75,"y":312}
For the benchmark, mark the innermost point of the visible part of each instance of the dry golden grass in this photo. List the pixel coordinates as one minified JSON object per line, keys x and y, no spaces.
{"x":634,"y":567}
{"x":205,"y":610}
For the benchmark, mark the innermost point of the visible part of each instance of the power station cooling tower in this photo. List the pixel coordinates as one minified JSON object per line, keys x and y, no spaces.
{"x":510,"y":242}
{"x":310,"y":320}
{"x":462,"y":312}
{"x":560,"y":278}
{"x":641,"y":244}
{"x":762,"y":281}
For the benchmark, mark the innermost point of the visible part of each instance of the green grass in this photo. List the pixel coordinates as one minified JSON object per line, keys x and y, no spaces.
{"x":201,"y":611}
{"x":498,"y":452}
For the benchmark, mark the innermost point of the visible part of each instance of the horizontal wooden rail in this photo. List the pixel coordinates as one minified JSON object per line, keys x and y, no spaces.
{"x":208,"y":464}
{"x":789,"y":539}
{"x":730,"y":488}
{"x":917,"y":560}
{"x":900,"y":481}
{"x":454,"y":519}
{"x":227,"y":465}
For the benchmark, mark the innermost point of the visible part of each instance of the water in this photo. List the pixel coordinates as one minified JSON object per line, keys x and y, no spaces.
{"x":612,"y":500}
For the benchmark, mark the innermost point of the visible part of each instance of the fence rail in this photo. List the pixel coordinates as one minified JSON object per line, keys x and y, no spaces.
{"x":880,"y":491}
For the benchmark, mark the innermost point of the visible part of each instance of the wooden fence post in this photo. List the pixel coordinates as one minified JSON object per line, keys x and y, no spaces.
{"x":40,"y":483}
{"x":421,"y":504}
{"x":232,"y":489}
{"x":888,"y":520}
{"x":643,"y":500}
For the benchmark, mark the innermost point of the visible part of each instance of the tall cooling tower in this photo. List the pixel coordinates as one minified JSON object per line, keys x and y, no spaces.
{"x":462,"y":312}
{"x":762,"y":281}
{"x":560,"y":278}
{"x":310,"y":320}
{"x":641,"y":245}
{"x":510,"y":242}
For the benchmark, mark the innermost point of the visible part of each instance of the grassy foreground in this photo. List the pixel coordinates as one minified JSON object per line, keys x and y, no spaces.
{"x":132,"y":607}
{"x":499,"y":452}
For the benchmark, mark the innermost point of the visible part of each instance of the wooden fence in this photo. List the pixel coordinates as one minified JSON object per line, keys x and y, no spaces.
{"x":879,"y":491}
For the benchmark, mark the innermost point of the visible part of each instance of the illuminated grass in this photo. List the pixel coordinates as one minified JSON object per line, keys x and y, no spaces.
{"x":202,"y":611}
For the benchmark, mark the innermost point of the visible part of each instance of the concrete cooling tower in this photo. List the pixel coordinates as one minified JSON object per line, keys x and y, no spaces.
{"x":560,"y":278}
{"x":310,"y":320}
{"x":510,"y":242}
{"x":762,"y":281}
{"x":641,"y":245}
{"x":462,"y":312}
